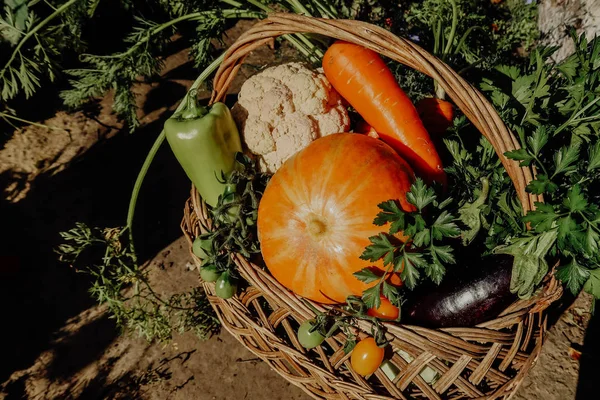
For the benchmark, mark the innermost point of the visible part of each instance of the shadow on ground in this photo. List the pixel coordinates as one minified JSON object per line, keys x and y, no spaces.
{"x":37,"y":292}
{"x":587,"y":387}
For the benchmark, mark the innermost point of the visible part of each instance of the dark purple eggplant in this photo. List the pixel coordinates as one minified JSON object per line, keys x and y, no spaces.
{"x":468,"y":295}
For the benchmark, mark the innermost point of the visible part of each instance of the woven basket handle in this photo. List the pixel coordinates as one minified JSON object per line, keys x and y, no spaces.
{"x":471,"y":102}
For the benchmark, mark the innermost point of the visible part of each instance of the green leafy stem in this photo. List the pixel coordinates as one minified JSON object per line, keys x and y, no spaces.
{"x":419,"y":249}
{"x":200,"y":15}
{"x":159,"y":141}
{"x":35,"y":30}
{"x":305,"y":47}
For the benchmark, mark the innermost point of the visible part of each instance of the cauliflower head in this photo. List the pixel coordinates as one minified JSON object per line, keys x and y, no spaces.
{"x":283,"y":108}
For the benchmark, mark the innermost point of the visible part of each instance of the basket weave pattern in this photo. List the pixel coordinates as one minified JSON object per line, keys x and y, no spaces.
{"x":484,"y":362}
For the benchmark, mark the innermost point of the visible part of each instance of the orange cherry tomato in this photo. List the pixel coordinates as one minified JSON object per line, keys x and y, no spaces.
{"x":366,"y":357}
{"x":394,"y":279}
{"x":436,"y":114}
{"x":386,"y":310}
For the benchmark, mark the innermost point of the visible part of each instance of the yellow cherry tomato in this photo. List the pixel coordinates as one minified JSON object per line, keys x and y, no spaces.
{"x":366,"y":357}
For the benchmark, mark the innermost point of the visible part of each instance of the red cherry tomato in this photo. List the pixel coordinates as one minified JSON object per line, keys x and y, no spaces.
{"x":366,"y":357}
{"x":385,"y":311}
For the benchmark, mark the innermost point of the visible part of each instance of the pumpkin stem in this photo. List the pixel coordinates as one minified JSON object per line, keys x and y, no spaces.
{"x":316,"y":227}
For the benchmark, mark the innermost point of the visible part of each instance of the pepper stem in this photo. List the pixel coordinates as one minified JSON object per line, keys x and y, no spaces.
{"x":191,"y":109}
{"x":159,"y":141}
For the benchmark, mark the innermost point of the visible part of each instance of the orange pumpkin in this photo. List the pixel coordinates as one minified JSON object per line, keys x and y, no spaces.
{"x":317,"y":212}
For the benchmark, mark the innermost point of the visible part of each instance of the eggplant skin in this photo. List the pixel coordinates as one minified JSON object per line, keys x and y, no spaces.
{"x":468,"y":295}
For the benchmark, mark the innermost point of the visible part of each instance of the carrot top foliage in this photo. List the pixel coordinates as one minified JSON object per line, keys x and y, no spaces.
{"x":58,"y":41}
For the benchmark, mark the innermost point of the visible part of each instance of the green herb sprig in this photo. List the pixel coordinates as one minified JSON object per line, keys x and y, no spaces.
{"x":555,"y":110}
{"x":123,"y":286}
{"x":425,"y":230}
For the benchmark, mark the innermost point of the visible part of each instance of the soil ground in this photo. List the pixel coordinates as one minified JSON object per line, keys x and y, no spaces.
{"x":58,"y":344}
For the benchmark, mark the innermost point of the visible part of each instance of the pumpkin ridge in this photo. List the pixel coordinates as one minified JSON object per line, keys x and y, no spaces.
{"x":295,"y":169}
{"x":347,"y":198}
{"x":293,"y":194}
{"x":339,"y":291}
{"x":324,"y":181}
{"x":300,"y":281}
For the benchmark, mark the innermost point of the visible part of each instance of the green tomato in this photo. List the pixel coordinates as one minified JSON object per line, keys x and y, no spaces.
{"x":307,"y":338}
{"x":202,"y":247}
{"x":209,"y":273}
{"x":225,"y":286}
{"x":229,"y":196}
{"x":251,"y":219}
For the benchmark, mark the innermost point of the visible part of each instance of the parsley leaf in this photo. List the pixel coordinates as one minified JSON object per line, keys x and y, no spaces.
{"x":565,"y":159}
{"x":418,"y":224}
{"x":390,"y":292}
{"x":542,"y":184}
{"x":443,"y":253}
{"x":391,"y":213}
{"x":594,"y":157}
{"x":542,"y":219}
{"x":422,"y":238}
{"x":367,"y":275}
{"x":410,"y":264}
{"x":538,"y":140}
{"x":435,"y":270}
{"x":444,"y":226}
{"x":380,"y":247}
{"x":575,"y":200}
{"x":520,"y":155}
{"x":574,"y":275}
{"x":566,"y":227}
{"x":420,"y":195}
{"x":592,"y":285}
{"x":471,"y":215}
{"x":371,"y":297}
{"x":592,"y":242}
{"x":529,"y":265}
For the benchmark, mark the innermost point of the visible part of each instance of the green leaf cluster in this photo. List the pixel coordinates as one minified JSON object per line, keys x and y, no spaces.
{"x":119,"y":282}
{"x":235,"y":216}
{"x":469,"y":35}
{"x":555,"y":110}
{"x":484,"y":194}
{"x":34,"y":36}
{"x":421,"y":251}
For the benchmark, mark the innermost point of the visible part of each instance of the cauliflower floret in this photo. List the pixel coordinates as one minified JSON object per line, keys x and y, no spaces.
{"x":283,"y":108}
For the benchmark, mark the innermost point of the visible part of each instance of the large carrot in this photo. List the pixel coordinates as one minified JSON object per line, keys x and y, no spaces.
{"x":363,"y":79}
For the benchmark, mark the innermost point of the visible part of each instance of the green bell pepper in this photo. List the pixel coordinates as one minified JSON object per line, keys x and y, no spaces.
{"x":205,"y":143}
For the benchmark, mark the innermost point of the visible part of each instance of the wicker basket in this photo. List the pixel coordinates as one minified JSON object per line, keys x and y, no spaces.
{"x":484,"y":362}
